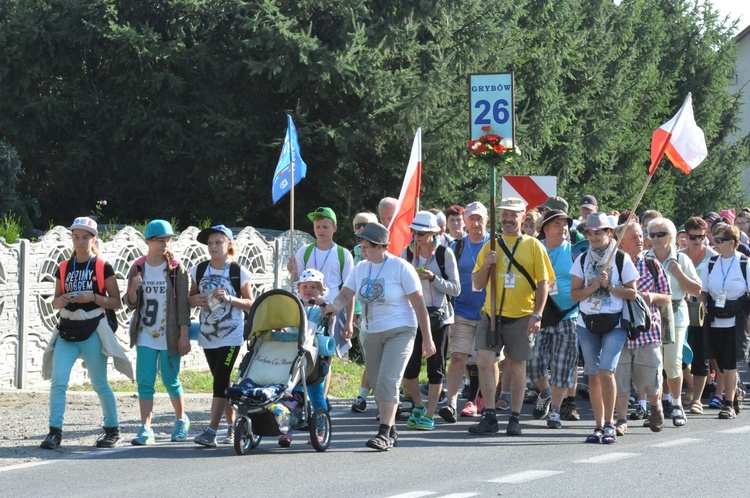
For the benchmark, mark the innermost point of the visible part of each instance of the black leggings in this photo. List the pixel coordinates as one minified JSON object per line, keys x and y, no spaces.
{"x":435,"y":363}
{"x":221,"y":361}
{"x":699,"y":366}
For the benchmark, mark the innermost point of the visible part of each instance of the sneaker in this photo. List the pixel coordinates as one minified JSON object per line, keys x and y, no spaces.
{"x":541,"y":409}
{"x":503,"y":403}
{"x":514,"y":427}
{"x":667,"y":408}
{"x":569,"y":411}
{"x":229,"y":438}
{"x":416,"y":415}
{"x":443,"y":399}
{"x":285,"y":441}
{"x":716,"y":402}
{"x":739,"y":396}
{"x":53,"y":439}
{"x":447,"y":413}
{"x":639,"y":413}
{"x":465,"y":391}
{"x":485,"y":426}
{"x":553,"y":420}
{"x":656,"y":421}
{"x":727,"y":412}
{"x":426,"y":423}
{"x":359,"y":405}
{"x":530,"y":397}
{"x":144,"y":437}
{"x":108,"y":438}
{"x":181,"y":428}
{"x":207,"y":438}
{"x":470,"y":410}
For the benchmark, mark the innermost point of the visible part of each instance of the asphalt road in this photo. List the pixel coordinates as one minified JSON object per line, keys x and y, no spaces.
{"x":699,"y":459}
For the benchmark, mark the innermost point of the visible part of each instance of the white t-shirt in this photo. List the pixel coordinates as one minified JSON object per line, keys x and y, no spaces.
{"x":727,"y":275}
{"x":681,"y":317}
{"x":224,"y":325}
{"x":602,"y":301}
{"x":152,"y":330}
{"x":327,"y":262}
{"x":382,"y":289}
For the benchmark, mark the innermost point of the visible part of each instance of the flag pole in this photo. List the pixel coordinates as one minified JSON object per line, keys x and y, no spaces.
{"x":654,"y":163}
{"x":291,"y":201}
{"x":493,"y":277}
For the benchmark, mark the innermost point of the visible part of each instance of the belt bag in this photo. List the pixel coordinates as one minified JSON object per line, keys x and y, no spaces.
{"x":77,"y":330}
{"x":601,"y":323}
{"x":552,"y":314}
{"x":436,"y":317}
{"x":730,"y":309}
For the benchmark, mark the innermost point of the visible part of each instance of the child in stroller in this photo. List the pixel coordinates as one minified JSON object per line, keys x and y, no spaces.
{"x":279,"y":386}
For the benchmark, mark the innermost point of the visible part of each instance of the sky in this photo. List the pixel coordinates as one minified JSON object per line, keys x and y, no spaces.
{"x":735,"y":9}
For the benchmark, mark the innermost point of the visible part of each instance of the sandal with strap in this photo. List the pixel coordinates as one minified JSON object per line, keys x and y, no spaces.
{"x":696,"y":408}
{"x":610,"y":434}
{"x":379,"y":442}
{"x":596,"y":437}
{"x":678,"y":416}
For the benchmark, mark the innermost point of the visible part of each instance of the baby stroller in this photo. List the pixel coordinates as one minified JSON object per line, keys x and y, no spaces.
{"x":282,"y":354}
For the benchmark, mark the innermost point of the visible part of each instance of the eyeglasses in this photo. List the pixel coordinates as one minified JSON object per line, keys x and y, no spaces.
{"x":697,"y":236}
{"x":721,"y":240}
{"x":419,"y":234}
{"x":357,"y":226}
{"x":657,"y":235}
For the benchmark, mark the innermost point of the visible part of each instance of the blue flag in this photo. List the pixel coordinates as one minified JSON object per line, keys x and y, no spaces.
{"x":289,"y":158}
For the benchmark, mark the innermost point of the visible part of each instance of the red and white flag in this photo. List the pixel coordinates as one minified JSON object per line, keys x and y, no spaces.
{"x":408,"y":200}
{"x":681,"y":140}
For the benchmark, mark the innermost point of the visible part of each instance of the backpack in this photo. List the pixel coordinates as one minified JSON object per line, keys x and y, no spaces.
{"x":340,"y":252}
{"x":743,"y":265}
{"x":458,"y":248}
{"x":234,"y":278}
{"x":99,"y":274}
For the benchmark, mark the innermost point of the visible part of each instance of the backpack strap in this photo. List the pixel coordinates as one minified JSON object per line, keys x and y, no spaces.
{"x":440,"y":258}
{"x":342,"y":260}
{"x":458,"y":248}
{"x":99,"y":272}
{"x":63,"y":271}
{"x":619,"y":262}
{"x":308,"y":253}
{"x":200,"y":270}
{"x":711,"y":262}
{"x":234,"y":277}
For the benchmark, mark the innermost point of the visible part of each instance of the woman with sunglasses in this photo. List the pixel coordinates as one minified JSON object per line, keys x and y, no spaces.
{"x":698,"y":252}
{"x":683,"y":281}
{"x":392,"y":307}
{"x":423,"y":254}
{"x":724,"y":288}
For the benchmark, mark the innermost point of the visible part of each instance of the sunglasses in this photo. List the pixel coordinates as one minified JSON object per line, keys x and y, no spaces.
{"x":699,"y":236}
{"x":357,"y":226}
{"x":721,"y":240}
{"x":657,"y":235}
{"x":419,"y":234}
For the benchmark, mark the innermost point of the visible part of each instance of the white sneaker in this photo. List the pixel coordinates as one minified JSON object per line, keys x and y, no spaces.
{"x":229,"y":438}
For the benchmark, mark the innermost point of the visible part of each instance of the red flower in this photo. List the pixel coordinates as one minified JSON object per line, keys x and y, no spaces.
{"x":472,"y":144}
{"x":486,"y":128}
{"x":499,"y":148}
{"x":493,"y":138}
{"x":480,"y":149}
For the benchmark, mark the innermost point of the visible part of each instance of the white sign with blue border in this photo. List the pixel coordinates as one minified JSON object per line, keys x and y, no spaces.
{"x":491,"y":100}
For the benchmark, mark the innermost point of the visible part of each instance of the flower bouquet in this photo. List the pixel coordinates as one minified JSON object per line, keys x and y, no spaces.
{"x":493,"y":149}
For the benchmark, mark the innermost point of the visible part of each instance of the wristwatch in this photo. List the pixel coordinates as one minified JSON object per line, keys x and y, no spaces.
{"x":537,"y":316}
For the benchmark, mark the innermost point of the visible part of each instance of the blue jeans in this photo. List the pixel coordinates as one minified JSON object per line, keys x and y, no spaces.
{"x":65,"y":356}
{"x":601,"y":352}
{"x":145,"y":373}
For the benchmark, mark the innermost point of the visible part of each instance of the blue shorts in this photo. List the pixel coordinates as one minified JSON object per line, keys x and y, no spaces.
{"x":601,"y":352}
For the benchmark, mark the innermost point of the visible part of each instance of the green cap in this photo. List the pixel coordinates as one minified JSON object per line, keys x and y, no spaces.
{"x":324,"y":212}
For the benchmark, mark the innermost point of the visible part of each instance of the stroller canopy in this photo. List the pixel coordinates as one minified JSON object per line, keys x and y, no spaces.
{"x":277,"y":309}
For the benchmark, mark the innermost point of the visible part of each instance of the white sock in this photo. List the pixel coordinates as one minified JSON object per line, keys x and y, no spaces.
{"x":364,"y":392}
{"x":667,"y":397}
{"x":677,"y":401}
{"x":454,"y":402}
{"x":643,"y":404}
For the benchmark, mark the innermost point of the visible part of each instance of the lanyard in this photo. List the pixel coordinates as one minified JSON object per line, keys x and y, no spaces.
{"x":80,"y":282}
{"x":370,"y":282}
{"x":725,"y":275}
{"x":471,"y":251}
{"x":512,"y":251}
{"x":315,"y":258}
{"x":427,"y":260}
{"x":226,"y":266}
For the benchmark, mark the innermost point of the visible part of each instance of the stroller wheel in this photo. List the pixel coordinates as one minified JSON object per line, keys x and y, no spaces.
{"x":320,"y":429}
{"x":244,"y":439}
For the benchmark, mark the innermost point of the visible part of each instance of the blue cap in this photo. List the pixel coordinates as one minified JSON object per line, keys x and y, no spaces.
{"x":203,"y":235}
{"x":158,"y":228}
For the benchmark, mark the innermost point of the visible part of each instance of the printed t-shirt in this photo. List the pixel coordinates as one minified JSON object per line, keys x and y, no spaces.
{"x":81,"y":277}
{"x":152,"y":326}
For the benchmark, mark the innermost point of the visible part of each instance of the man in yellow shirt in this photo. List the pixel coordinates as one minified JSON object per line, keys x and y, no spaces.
{"x":522,"y":270}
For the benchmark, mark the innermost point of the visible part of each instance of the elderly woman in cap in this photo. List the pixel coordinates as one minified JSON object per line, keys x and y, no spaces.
{"x":438,"y":274}
{"x":392,"y":305}
{"x":601,"y":288}
{"x":222,"y":289}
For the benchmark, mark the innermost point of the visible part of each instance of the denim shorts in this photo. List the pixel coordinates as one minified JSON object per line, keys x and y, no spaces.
{"x":601,"y":352}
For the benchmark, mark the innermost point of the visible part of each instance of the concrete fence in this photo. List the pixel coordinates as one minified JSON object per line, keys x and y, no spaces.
{"x":27,"y":288}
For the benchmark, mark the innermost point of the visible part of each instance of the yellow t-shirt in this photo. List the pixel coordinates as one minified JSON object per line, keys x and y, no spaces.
{"x":519,"y":300}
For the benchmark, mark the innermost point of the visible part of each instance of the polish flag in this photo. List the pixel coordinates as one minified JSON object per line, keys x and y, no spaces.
{"x":681,"y":140}
{"x":408,"y":200}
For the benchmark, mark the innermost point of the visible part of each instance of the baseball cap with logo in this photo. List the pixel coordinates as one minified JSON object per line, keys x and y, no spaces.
{"x":589,"y":201}
{"x":203,"y":235}
{"x":323,"y":212}
{"x":513,"y":204}
{"x":84,"y":223}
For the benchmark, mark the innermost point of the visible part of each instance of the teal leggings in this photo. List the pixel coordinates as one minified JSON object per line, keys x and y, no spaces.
{"x":145,"y":374}
{"x":65,"y":356}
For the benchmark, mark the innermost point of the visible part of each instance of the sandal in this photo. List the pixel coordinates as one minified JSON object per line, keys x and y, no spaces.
{"x":696,"y":408}
{"x":596,"y":437}
{"x":610,"y":435}
{"x":379,"y":442}
{"x":678,"y":416}
{"x":621,"y":427}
